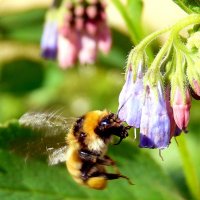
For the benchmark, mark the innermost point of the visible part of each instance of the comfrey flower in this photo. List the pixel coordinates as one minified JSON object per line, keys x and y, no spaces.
{"x":181,"y":108}
{"x":49,"y":39}
{"x":162,"y":111}
{"x":155,"y":122}
{"x":131,"y":98}
{"x":81,"y":32}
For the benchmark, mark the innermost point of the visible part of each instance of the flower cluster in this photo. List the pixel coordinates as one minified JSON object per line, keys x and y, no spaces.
{"x":156,"y":97}
{"x":76,"y":30}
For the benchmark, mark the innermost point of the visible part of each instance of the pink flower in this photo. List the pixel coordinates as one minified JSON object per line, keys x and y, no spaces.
{"x":170,"y":112}
{"x":88,"y":49}
{"x":181,"y":108}
{"x":104,"y":38}
{"x":82,"y":33}
{"x":195,"y":91}
{"x":68,"y":46}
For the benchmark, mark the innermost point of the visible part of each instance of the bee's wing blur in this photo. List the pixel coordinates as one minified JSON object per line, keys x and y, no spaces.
{"x":49,"y":135}
{"x":57,"y":155}
{"x":49,"y":123}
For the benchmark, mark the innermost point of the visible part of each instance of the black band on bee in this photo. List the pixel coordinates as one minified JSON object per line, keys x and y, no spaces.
{"x":78,"y":125}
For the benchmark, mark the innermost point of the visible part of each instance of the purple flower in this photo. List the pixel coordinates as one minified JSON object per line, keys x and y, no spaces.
{"x":155,"y":122}
{"x":49,"y":40}
{"x":131,"y":99}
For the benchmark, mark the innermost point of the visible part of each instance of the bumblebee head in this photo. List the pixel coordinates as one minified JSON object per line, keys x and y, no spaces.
{"x":110,"y":125}
{"x":94,"y":130}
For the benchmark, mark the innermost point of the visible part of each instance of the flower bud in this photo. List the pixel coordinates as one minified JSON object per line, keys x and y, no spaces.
{"x":195,"y":91}
{"x":181,"y":108}
{"x":155,"y":122}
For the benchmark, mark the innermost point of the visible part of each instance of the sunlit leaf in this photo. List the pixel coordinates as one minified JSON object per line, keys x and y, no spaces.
{"x":31,"y":178}
{"x":189,"y":6}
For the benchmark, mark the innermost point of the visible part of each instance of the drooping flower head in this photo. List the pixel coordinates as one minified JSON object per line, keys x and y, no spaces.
{"x":168,"y":82}
{"x":82,"y":31}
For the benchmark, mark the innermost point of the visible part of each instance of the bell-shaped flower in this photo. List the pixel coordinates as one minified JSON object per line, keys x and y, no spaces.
{"x":68,"y":47}
{"x":155,"y":122}
{"x":181,"y":108}
{"x":49,"y":40}
{"x":131,"y":99}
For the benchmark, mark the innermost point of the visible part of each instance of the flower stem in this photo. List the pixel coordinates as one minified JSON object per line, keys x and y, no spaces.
{"x":175,"y":29}
{"x":130,"y":25}
{"x":189,"y":169}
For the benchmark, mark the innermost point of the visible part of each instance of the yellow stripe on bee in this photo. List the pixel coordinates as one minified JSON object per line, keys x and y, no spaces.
{"x":92,"y":119}
{"x":73,"y":163}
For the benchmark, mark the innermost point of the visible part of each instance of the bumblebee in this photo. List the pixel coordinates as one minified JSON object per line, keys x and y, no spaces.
{"x":86,"y":144}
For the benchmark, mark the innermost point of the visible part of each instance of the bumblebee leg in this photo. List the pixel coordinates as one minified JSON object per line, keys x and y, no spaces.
{"x":111,"y":176}
{"x":106,"y":160}
{"x":88,"y":156}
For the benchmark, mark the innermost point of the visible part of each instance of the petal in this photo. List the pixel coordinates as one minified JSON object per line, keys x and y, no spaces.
{"x":67,"y":50}
{"x":127,"y":86}
{"x":170,"y":112}
{"x":155,"y":123}
{"x":131,"y":100}
{"x":181,"y":109}
{"x":88,"y":51}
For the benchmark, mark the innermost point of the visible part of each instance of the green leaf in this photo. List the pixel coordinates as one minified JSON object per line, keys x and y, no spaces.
{"x":32,"y":178}
{"x":21,"y":76}
{"x":189,"y":6}
{"x":24,"y":26}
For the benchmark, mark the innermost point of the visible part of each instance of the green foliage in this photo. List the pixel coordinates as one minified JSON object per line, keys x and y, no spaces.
{"x":189,"y":6}
{"x":21,"y":76}
{"x":23,"y":177}
{"x":26,"y":84}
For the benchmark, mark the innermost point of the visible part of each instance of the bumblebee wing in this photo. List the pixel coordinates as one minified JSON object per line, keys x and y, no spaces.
{"x":48,"y":123}
{"x":57,"y":155}
{"x":48,"y":133}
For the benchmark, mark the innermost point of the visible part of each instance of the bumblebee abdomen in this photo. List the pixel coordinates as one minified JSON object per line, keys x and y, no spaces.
{"x":73,"y":163}
{"x":98,"y":183}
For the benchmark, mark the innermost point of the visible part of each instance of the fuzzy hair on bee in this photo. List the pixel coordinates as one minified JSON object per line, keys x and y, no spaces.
{"x":86,"y":144}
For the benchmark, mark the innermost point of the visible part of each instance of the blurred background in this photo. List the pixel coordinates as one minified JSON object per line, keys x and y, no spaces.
{"x":30,"y":83}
